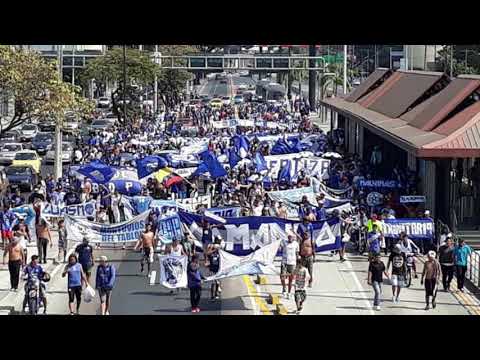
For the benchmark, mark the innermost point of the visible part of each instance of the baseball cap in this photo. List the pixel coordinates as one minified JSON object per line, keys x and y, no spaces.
{"x":432,"y":253}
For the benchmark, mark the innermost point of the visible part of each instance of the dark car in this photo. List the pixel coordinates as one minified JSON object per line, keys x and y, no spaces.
{"x":12,"y":136}
{"x":42,"y":142}
{"x":47,"y":126}
{"x":22,"y":177}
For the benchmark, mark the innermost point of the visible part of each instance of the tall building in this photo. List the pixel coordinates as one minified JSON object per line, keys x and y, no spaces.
{"x":421,"y":57}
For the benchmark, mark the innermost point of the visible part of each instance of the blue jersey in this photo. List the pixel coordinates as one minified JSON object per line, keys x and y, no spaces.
{"x":74,"y":275}
{"x":8,"y":219}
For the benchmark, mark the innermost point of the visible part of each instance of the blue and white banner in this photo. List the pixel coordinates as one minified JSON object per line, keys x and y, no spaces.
{"x":59,"y":211}
{"x":243,"y":235}
{"x":304,"y":160}
{"x":128,"y":231}
{"x":226,"y":211}
{"x":173,"y":271}
{"x":260,"y":262}
{"x":164,"y":205}
{"x":28,"y":213}
{"x":125,"y":187}
{"x":412,"y":199}
{"x":170,"y":228}
{"x":385,"y":184}
{"x":416,"y":229}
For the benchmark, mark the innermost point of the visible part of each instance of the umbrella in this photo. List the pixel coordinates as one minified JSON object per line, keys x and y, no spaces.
{"x":332,"y":155}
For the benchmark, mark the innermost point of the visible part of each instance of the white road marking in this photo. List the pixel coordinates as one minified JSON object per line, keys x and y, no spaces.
{"x":360,"y":289}
{"x":153,"y":276}
{"x":54,"y":272}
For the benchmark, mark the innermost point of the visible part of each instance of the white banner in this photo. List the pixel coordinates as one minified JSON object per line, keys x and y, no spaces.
{"x":304,"y":160}
{"x":173,"y":271}
{"x":412,"y":199}
{"x":259,"y":262}
{"x":191,"y":204}
{"x":59,"y":211}
{"x":128,"y":231}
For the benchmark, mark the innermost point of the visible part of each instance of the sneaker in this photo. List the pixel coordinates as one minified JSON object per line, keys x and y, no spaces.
{"x":194,"y":310}
{"x":197,"y":310}
{"x":394,"y":299}
{"x":427,"y":307}
{"x":219,"y":290}
{"x":217,"y":297}
{"x":461,"y":290}
{"x":289,"y":296}
{"x":378,"y":308}
{"x":298,"y":312}
{"x":434,"y":304}
{"x":107,"y":313}
{"x":397,"y":300}
{"x":284,"y":294}
{"x":123,"y":247}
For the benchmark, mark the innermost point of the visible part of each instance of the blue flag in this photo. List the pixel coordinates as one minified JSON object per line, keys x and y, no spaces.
{"x":281,"y":147}
{"x":149,"y":164}
{"x":233,"y":158}
{"x":214,"y":167}
{"x":201,"y":169}
{"x":242,"y":145}
{"x":284,"y":173}
{"x":260,"y":163}
{"x":125,"y":187}
{"x":97,"y":171}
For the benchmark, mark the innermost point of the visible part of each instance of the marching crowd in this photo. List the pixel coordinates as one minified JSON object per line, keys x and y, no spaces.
{"x":244,"y":186}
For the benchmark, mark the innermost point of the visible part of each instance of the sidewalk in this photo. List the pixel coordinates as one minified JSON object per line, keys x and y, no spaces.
{"x":342,"y":289}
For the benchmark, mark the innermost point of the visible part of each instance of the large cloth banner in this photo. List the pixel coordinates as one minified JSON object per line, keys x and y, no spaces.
{"x":29,"y":214}
{"x":59,"y":211}
{"x":260,"y":262}
{"x":243,"y":235}
{"x":412,"y":199}
{"x":304,"y":160}
{"x":173,"y":271}
{"x":226,"y":211}
{"x":417,"y":229}
{"x":291,"y":197}
{"x":170,"y":228}
{"x":127,"y":231}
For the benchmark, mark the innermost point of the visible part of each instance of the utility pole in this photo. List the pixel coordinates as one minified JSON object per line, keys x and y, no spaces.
{"x":155,"y":85}
{"x":451,"y":60}
{"x":312,"y":79}
{"x":58,"y":123}
{"x":345,"y":68}
{"x":73,"y":64}
{"x":124,"y":84}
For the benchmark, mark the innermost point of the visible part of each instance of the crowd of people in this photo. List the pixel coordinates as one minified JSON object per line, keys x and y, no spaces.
{"x":244,"y":186}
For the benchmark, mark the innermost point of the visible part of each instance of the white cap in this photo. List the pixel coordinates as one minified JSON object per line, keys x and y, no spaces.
{"x":103,"y":258}
{"x":427,"y":212}
{"x":432,"y":254}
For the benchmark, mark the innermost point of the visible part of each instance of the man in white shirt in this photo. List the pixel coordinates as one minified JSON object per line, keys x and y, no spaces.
{"x":290,"y":253}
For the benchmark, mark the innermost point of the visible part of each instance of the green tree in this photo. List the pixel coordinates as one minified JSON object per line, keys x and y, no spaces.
{"x":35,"y":85}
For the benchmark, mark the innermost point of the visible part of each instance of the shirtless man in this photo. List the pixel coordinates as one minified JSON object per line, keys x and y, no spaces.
{"x":147,"y":243}
{"x":15,"y":261}
{"x":307,"y":254}
{"x":43,"y":239}
{"x":432,"y":274}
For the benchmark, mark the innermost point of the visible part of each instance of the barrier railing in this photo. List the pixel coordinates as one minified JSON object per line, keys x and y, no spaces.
{"x":473,"y":268}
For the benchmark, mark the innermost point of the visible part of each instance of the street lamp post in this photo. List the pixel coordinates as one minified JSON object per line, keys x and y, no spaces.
{"x":155,"y":85}
{"x":345,"y":70}
{"x":58,"y":123}
{"x":124,"y":83}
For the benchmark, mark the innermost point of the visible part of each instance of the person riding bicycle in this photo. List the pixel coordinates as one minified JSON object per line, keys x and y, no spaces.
{"x":410,"y":249}
{"x":32,"y":271}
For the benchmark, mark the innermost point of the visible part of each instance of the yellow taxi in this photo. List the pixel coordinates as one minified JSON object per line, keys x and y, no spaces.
{"x":216,"y":103}
{"x":28,"y":158}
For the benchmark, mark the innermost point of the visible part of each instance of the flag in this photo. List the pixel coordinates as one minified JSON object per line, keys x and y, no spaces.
{"x":97,"y":171}
{"x":214,"y":167}
{"x":260,"y":163}
{"x":233,"y":158}
{"x":150,"y":164}
{"x":284,"y":173}
{"x":168,"y":177}
{"x":242,"y":145}
{"x":281,"y":147}
{"x":201,"y":169}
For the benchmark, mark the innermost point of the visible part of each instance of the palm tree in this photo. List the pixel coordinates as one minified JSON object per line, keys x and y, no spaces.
{"x":336,"y":78}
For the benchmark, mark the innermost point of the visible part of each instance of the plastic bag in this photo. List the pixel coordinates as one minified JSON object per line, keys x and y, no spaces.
{"x":88,"y":294}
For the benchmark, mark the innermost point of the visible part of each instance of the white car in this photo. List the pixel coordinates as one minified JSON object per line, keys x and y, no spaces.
{"x":70,"y":125}
{"x":8,"y":151}
{"x":28,"y":132}
{"x":103,"y":102}
{"x":67,"y":154}
{"x":226,"y":100}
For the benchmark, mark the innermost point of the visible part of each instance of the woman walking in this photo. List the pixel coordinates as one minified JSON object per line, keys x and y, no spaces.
{"x":76,"y":277}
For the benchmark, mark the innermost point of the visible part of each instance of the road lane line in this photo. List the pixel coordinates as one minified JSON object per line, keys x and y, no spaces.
{"x":252,"y":291}
{"x":54,"y":272}
{"x":360,"y":288}
{"x":153,"y":276}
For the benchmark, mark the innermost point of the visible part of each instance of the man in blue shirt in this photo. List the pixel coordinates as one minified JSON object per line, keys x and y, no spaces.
{"x":462,"y":253}
{"x":85,"y":257}
{"x":105,"y":280}
{"x":31,"y":271}
{"x":321,"y":213}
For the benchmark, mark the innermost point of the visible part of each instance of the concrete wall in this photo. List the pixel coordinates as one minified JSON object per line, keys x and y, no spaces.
{"x":416,"y":56}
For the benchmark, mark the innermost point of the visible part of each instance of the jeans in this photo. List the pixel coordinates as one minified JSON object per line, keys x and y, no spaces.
{"x":14,"y":269}
{"x":42,"y":249}
{"x":377,"y":287}
{"x":447,"y":275}
{"x":461,"y":270}
{"x":195,"y":293}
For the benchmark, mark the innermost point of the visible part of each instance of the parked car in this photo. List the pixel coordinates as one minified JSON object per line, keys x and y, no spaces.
{"x":21,"y":176}
{"x":216,"y":103}
{"x":8,"y":151}
{"x":47,"y":126}
{"x":10,"y":136}
{"x":238,"y":99}
{"x":28,"y":132}
{"x":67,"y":154}
{"x":28,"y":158}
{"x":103,"y":102}
{"x":70,"y":125}
{"x":42,"y":142}
{"x":226,"y":100}
{"x":100,"y":125}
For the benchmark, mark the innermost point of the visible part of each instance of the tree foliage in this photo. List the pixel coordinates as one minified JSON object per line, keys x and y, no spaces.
{"x":35,"y":85}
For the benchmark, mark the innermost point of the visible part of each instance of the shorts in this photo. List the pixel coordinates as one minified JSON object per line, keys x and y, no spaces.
{"x":398,"y":280}
{"x":7,"y":234}
{"x":104,"y":294}
{"x":74,"y":292}
{"x":286,"y":269}
{"x":300,"y":296}
{"x":309,"y":263}
{"x":87,"y":269}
